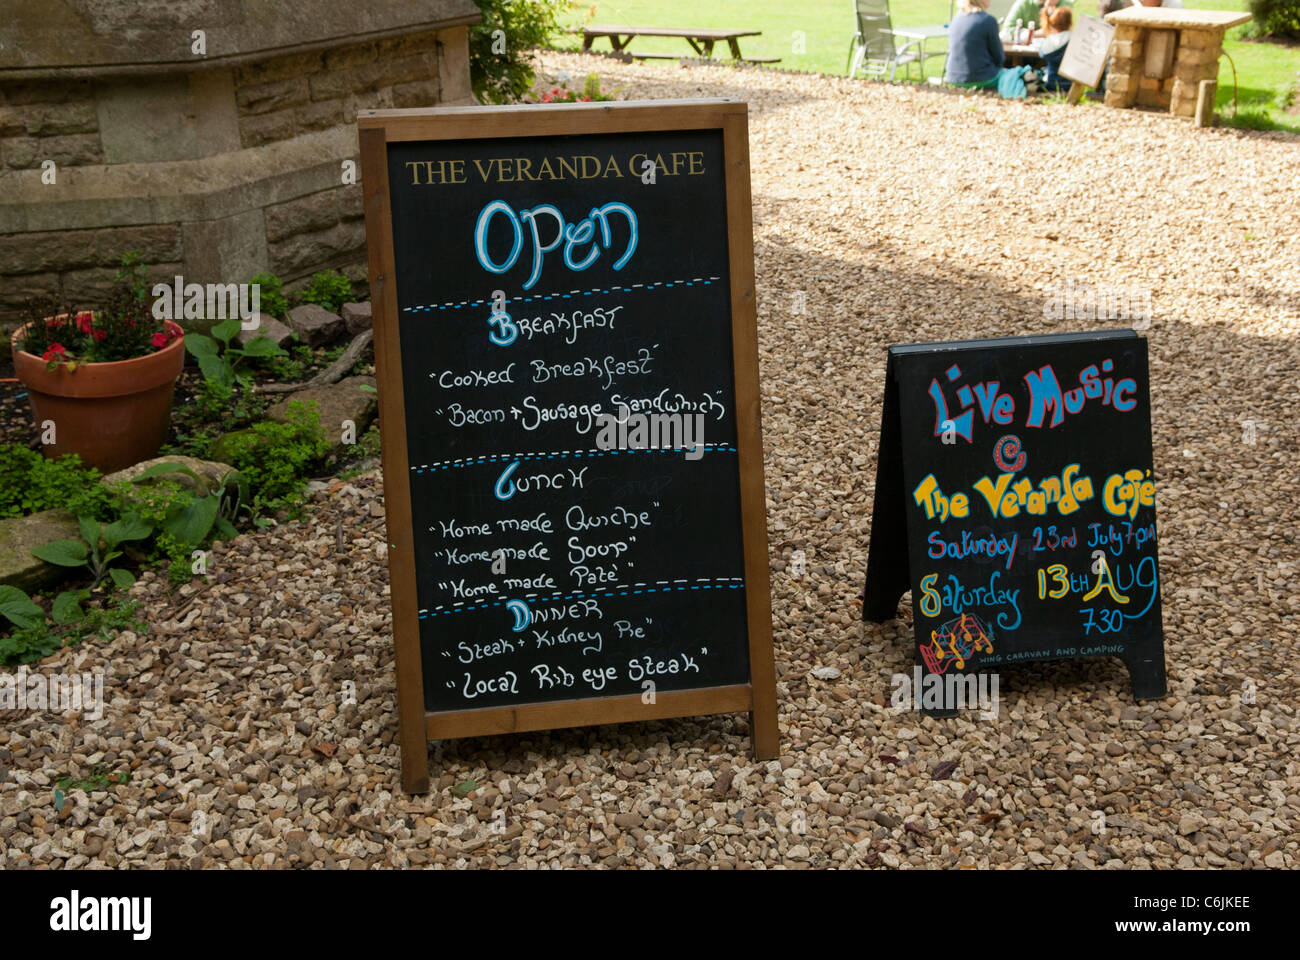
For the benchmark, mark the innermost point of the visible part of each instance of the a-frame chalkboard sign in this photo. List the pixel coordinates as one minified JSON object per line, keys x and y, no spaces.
{"x":1015,"y":498}
{"x":566,"y":349}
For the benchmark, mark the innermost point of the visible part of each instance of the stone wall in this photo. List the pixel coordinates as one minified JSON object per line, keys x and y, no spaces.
{"x":215,"y":173}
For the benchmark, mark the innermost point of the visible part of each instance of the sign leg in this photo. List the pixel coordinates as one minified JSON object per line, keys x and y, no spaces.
{"x":764,"y":737}
{"x":1148,"y":677}
{"x":415,"y":767}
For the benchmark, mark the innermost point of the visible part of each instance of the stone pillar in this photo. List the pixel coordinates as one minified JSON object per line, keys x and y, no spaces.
{"x":1197,"y":59}
{"x":1124,"y":74}
{"x":215,"y":164}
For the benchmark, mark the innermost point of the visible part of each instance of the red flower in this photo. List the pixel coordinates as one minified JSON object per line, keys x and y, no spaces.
{"x":99,"y":335}
{"x":84,"y":321}
{"x":57,"y":352}
{"x":161,"y":340}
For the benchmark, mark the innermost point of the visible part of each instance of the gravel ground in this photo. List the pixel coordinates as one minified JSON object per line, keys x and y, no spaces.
{"x":893,"y":214}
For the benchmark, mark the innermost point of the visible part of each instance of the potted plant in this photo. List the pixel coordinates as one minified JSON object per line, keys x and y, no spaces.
{"x":100,"y":381}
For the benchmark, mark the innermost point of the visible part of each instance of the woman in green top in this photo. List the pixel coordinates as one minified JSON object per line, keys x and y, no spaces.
{"x":1031,"y":11}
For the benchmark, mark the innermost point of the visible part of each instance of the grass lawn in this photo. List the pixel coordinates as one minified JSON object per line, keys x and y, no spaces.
{"x":814,"y":35}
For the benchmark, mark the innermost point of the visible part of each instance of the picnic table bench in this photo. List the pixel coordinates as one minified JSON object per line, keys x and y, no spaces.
{"x":701,"y":40}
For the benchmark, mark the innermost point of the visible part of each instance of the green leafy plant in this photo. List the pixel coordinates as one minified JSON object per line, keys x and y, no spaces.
{"x":134,"y":275}
{"x":33,"y":637}
{"x":273,"y":458}
{"x":87,"y":553}
{"x":181,"y":519}
{"x":500,"y":46}
{"x":271,"y":295}
{"x":98,"y":779}
{"x":29,"y":483}
{"x":1276,"y":18}
{"x":18,"y":608}
{"x":329,"y":289}
{"x":191,"y":519}
{"x":219,"y":361}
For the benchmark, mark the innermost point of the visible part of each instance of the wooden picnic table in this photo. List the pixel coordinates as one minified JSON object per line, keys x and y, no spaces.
{"x":701,"y":40}
{"x":1017,"y":53}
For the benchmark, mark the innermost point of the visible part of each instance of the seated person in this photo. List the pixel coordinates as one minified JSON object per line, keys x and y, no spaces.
{"x":1031,"y":11}
{"x":1056,"y":25}
{"x":974,"y":48}
{"x":1051,"y":46}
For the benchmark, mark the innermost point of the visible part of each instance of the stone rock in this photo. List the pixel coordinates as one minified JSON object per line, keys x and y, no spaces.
{"x":211,"y":473}
{"x":315,"y":326}
{"x":336,"y":402}
{"x":357,"y":317}
{"x":18,"y":535}
{"x":1189,"y":823}
{"x":826,"y":673}
{"x":269,"y":327}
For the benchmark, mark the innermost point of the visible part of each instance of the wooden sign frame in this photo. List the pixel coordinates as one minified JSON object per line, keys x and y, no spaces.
{"x":377,"y":129}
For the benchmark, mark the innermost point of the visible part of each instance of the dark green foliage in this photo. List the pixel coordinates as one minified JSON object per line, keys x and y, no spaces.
{"x":30,"y":483}
{"x":500,"y":66}
{"x":34,"y":637}
{"x":1276,"y":18}
{"x":274,"y":458}
{"x":329,"y":288}
{"x":271,"y":295}
{"x":98,"y":779}
{"x":220,"y":354}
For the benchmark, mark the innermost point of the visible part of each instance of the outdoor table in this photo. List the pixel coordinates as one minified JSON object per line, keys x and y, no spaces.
{"x":701,"y":40}
{"x":922,"y":34}
{"x":1166,"y":57}
{"x":1018,"y":53}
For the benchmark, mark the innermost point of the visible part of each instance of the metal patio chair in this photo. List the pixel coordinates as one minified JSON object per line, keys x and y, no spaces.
{"x":873,"y":49}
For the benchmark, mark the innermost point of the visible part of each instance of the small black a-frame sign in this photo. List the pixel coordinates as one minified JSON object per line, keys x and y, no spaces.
{"x":1015,"y":497}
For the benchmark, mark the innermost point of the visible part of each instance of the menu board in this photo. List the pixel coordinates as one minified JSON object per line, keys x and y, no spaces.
{"x":1015,"y":497}
{"x":568,"y":392}
{"x":1085,"y":56}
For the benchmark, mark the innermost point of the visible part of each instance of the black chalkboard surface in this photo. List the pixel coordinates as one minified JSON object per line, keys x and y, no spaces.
{"x":503,"y":455}
{"x":570,"y":361}
{"x":1015,"y":498}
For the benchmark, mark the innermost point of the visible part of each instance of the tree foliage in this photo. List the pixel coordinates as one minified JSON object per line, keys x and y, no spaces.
{"x":501,"y":45}
{"x":1276,"y":18}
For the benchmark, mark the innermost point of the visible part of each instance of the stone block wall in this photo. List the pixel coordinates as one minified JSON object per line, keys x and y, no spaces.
{"x":214,"y":174}
{"x":52,"y":119}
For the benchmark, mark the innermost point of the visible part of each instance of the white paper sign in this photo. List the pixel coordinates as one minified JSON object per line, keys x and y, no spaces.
{"x":1085,"y":56}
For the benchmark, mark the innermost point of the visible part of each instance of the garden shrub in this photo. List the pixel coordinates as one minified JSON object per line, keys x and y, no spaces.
{"x":1276,"y":18}
{"x":328,"y":288}
{"x":271,"y":295}
{"x":274,"y":458}
{"x":30,"y":483}
{"x":500,"y":67}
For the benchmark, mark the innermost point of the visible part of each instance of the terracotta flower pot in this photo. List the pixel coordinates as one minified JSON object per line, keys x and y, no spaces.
{"x":110,"y":414}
